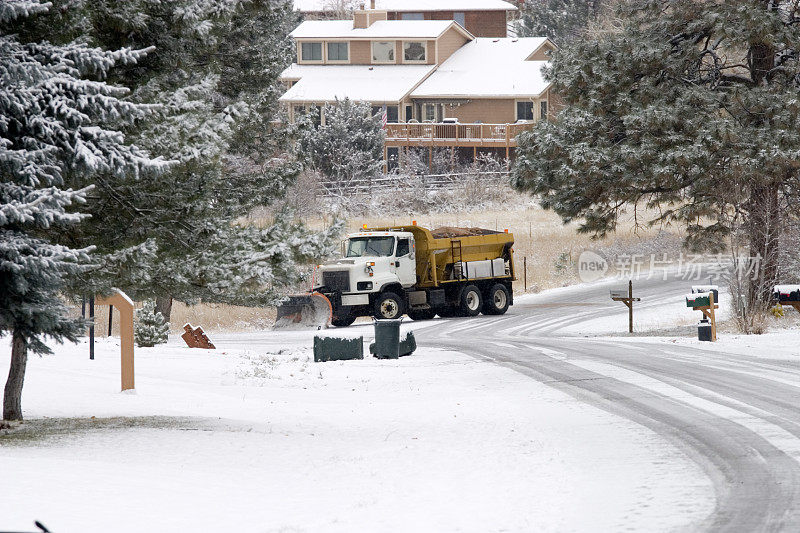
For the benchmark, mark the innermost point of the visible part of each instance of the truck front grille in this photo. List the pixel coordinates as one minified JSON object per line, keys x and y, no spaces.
{"x":337,"y":280}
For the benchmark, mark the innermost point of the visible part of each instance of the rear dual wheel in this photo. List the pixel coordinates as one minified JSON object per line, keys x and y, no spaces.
{"x":497,"y":300}
{"x":470,"y":301}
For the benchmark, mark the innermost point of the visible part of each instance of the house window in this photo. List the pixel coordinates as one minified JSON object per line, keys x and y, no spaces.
{"x":430,"y":112}
{"x":460,"y":18}
{"x":391,"y":112}
{"x":524,"y":110}
{"x":409,"y":113}
{"x":412,"y":16}
{"x":414,"y":51}
{"x":338,"y":52}
{"x":311,"y":51}
{"x":543,"y":110}
{"x":383,"y":51}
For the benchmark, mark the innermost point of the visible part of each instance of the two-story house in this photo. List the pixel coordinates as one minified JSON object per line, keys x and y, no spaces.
{"x":482,"y":18}
{"x":440,"y":85}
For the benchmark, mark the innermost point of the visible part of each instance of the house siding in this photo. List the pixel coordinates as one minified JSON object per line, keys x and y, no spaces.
{"x":486,"y":23}
{"x":542,"y":54}
{"x":488,"y":111}
{"x":360,"y":53}
{"x":479,"y":23}
{"x":451,"y":41}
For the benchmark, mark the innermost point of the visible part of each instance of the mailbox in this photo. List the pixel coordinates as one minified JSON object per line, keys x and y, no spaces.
{"x":698,"y":289}
{"x":787,"y":293}
{"x":698,"y":299}
{"x":619,"y":293}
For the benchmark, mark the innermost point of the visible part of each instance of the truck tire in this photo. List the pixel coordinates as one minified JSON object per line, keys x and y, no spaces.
{"x":470,"y":301}
{"x":342,"y":319}
{"x":421,"y":314}
{"x":496,"y":300}
{"x":388,"y":305}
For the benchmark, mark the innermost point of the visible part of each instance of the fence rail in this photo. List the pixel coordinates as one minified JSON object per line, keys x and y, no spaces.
{"x":426,"y":182}
{"x":439,"y":134}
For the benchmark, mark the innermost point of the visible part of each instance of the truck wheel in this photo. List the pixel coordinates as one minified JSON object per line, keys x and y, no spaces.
{"x":343,"y":319}
{"x":496,"y":300}
{"x":470,"y":301}
{"x":421,"y":314}
{"x":388,"y":305}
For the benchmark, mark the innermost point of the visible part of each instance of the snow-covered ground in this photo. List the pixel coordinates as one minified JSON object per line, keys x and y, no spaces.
{"x":255,"y":436}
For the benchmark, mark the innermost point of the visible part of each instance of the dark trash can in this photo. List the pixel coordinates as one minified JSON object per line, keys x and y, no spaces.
{"x":407,"y":345}
{"x":704,"y":330}
{"x":387,"y":338}
{"x":337,"y":349}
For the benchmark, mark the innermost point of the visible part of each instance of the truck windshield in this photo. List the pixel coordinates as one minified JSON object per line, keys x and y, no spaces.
{"x":370,"y":246}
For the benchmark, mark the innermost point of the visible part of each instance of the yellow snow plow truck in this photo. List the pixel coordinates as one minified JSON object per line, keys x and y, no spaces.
{"x":388,"y":272}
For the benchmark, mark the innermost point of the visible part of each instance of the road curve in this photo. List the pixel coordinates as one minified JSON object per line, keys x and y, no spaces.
{"x":736,"y":416}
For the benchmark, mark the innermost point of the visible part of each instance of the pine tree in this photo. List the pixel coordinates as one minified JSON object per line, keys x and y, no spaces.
{"x":150,"y":328}
{"x":560,"y":20}
{"x":348,"y":147}
{"x":180,"y":235}
{"x":53,"y":122}
{"x":689,"y":111}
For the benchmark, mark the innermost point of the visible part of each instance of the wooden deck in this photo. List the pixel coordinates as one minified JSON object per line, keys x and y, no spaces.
{"x":454,"y":135}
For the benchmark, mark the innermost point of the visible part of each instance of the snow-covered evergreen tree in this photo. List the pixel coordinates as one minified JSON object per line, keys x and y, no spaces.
{"x":349,"y":146}
{"x":561,"y":20}
{"x":54,"y":122}
{"x":149,"y":327}
{"x":179,"y":235}
{"x":688,"y":109}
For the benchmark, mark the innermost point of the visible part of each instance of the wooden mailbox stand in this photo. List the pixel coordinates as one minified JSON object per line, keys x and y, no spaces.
{"x":708,"y":312}
{"x":124,"y":305}
{"x":628,"y":301}
{"x":796,"y":305}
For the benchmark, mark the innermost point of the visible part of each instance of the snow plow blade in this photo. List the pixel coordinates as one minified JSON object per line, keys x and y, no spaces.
{"x":304,"y":311}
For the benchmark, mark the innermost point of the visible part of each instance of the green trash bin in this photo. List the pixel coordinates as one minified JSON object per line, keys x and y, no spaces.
{"x":387,"y":338}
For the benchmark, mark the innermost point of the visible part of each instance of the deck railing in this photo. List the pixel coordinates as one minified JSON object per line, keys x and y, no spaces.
{"x":410,"y":134}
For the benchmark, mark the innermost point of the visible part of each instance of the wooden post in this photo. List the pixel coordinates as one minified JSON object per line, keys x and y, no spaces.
{"x":713,"y":317}
{"x":630,"y":307}
{"x":385,"y":159}
{"x":525,"y":273}
{"x":110,"y":318}
{"x":91,"y":328}
{"x":125,"y":307}
{"x":619,"y":296}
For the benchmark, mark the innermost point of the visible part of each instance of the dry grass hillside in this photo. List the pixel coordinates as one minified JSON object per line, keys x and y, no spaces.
{"x":543,"y":242}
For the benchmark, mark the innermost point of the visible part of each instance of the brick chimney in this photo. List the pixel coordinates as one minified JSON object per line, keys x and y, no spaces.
{"x":363,"y":18}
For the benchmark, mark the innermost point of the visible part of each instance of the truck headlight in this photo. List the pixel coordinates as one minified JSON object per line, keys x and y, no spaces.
{"x":364,"y":285}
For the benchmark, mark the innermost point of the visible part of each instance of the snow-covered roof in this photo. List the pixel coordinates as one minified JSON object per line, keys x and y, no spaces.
{"x":381,"y":29}
{"x":363,"y":83}
{"x":315,"y":6}
{"x":489,"y":68}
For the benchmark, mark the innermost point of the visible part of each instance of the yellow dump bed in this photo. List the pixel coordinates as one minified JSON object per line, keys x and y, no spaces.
{"x":444,"y":247}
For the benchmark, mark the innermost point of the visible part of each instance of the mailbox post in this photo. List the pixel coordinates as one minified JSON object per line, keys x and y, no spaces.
{"x":619,"y":295}
{"x":788,"y":295}
{"x":705,"y":302}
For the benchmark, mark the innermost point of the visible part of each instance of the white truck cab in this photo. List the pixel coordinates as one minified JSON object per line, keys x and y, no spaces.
{"x":371,"y":262}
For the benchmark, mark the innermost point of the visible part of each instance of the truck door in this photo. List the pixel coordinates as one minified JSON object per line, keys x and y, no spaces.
{"x":405,"y":262}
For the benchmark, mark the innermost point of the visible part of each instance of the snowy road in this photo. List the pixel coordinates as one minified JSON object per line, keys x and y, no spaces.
{"x":736,"y":416}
